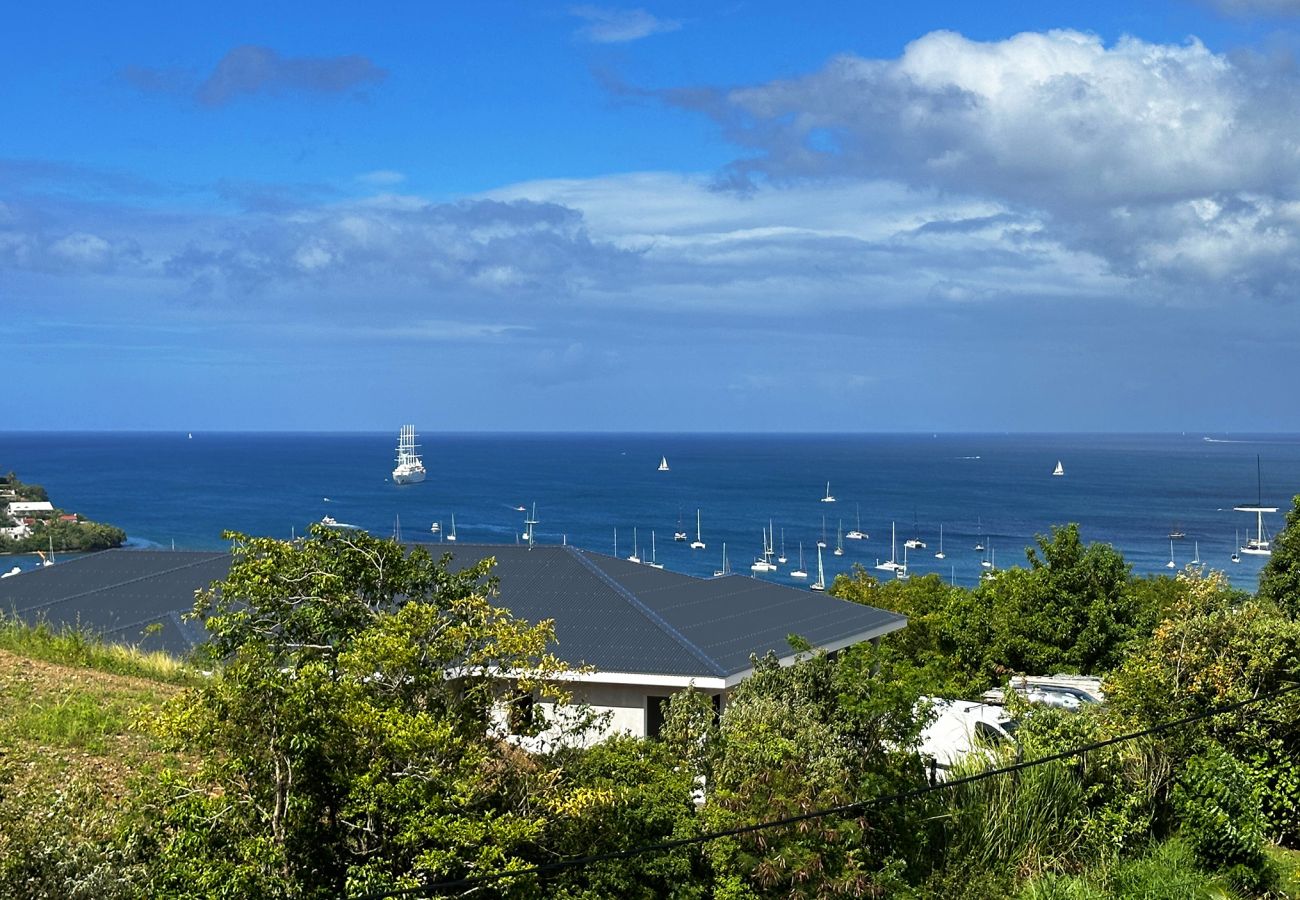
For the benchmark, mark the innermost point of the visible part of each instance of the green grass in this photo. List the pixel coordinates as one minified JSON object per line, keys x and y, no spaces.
{"x":76,"y":720}
{"x":81,"y":649}
{"x":1166,"y":872}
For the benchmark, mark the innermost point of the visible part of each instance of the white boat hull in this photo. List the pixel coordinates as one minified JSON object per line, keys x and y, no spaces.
{"x":408,"y":476}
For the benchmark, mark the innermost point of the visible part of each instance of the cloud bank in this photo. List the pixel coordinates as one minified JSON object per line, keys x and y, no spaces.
{"x":1169,"y":162}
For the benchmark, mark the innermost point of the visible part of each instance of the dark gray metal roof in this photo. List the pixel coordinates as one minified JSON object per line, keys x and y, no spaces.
{"x":120,"y":593}
{"x":615,"y":615}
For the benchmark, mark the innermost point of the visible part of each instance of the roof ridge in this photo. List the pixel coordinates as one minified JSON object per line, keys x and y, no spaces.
{"x":715,"y":667}
{"x":208,"y":556}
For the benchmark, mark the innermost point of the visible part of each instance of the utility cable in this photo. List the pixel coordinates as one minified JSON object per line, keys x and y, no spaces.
{"x":855,"y":807}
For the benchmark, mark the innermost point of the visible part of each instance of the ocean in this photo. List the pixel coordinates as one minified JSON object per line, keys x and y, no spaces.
{"x":1130,"y":491}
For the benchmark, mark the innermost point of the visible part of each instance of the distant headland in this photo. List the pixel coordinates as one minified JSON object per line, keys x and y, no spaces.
{"x":30,"y":523}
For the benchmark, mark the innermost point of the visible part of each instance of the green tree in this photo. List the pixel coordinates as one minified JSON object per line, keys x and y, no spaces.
{"x":823,"y":732}
{"x":1218,"y":646}
{"x":345,"y":738}
{"x":1280,"y":580}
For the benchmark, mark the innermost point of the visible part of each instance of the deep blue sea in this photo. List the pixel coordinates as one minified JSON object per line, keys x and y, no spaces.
{"x":1127,"y":490}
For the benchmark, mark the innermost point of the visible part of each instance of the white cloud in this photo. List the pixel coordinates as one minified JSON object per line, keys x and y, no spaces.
{"x":1104,"y":146}
{"x":618,"y":26}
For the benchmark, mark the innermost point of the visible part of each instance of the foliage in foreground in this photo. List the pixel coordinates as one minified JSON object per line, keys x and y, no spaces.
{"x":349,"y":742}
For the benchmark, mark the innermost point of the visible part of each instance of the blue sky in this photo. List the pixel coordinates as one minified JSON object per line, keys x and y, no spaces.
{"x":674,"y":216}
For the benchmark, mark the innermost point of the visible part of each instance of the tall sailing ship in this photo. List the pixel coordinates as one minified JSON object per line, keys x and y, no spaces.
{"x":410,"y":469}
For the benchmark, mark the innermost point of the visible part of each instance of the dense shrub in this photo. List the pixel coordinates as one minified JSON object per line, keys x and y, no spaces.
{"x":1218,"y":807}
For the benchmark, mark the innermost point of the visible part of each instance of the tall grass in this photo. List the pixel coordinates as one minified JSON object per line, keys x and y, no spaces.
{"x":83,"y":649}
{"x":1029,"y":821}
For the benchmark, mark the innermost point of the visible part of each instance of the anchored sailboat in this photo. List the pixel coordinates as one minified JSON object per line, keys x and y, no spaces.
{"x":635,"y":557}
{"x":890,"y":565}
{"x":528,"y":526}
{"x":799,"y":572}
{"x":763,"y":563}
{"x":1171,"y":564}
{"x":857,"y":534}
{"x":828,"y":498}
{"x":839,"y":541}
{"x":1260,"y":544}
{"x":654,"y":563}
{"x":451,"y":535}
{"x":679,"y":535}
{"x":939,"y":555}
{"x":781,"y":558}
{"x":726,"y":566}
{"x":820,"y":583}
{"x":698,"y":543}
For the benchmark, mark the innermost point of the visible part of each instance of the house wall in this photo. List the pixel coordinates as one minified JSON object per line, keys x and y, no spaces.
{"x":623,"y":708}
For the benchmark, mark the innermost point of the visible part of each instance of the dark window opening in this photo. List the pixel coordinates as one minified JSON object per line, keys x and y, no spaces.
{"x":655,"y":708}
{"x":519,"y":712}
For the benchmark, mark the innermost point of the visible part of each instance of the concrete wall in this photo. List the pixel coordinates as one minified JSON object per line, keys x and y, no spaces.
{"x":623,"y":709}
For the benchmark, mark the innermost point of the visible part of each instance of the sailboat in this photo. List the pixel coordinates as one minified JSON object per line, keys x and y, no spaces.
{"x":679,"y":535}
{"x":634,"y":557}
{"x":654,"y":563}
{"x":663,"y":464}
{"x":799,"y":572}
{"x":726,"y":566}
{"x":1236,"y":539}
{"x":451,"y":536}
{"x":781,"y":558}
{"x":1059,"y":470}
{"x":1171,"y":564}
{"x":528,"y":526}
{"x":820,"y":583}
{"x":901,"y":572}
{"x":990,"y":564}
{"x":698,"y":543}
{"x":890,"y":565}
{"x":979,"y":530}
{"x":939,"y":555}
{"x":1196,"y":553}
{"x":839,"y":542}
{"x":828,"y":498}
{"x":857,"y":534}
{"x":915,"y":542}
{"x":410,"y":469}
{"x":822,"y":543}
{"x":763,"y":564}
{"x":1260,"y":544}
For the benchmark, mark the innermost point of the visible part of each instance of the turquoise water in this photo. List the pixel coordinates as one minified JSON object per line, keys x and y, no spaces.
{"x":1127,"y":490}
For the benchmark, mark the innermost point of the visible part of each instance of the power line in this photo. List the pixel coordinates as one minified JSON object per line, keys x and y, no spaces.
{"x":855,"y":807}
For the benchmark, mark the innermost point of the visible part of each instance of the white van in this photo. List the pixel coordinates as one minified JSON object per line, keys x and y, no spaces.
{"x":959,"y":728}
